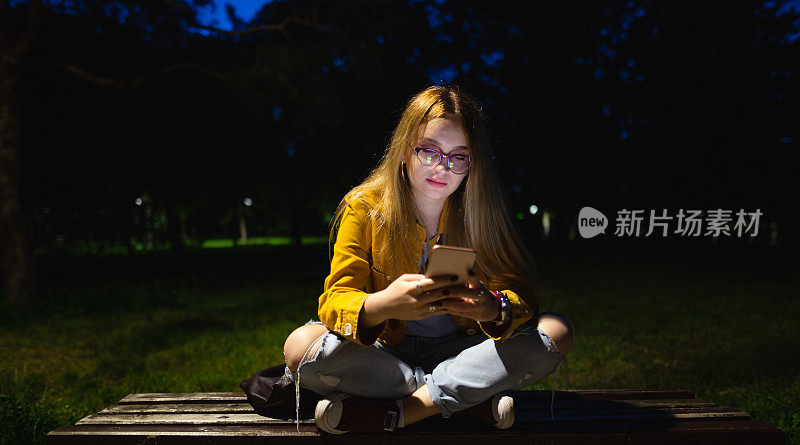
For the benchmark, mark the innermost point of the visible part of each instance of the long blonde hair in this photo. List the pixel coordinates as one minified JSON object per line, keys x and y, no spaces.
{"x":477,"y":215}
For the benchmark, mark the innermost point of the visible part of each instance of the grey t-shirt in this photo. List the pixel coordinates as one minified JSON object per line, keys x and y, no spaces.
{"x":436,"y":325}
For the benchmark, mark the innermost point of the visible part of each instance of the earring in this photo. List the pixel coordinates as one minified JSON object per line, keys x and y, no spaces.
{"x":403,"y":170}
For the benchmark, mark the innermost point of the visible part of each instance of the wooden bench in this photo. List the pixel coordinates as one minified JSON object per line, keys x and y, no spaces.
{"x":582,"y":416}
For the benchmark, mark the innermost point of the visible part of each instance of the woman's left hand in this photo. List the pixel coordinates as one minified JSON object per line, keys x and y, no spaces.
{"x":472,"y":301}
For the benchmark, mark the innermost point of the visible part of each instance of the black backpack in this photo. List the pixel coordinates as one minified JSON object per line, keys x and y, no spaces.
{"x":271,"y":392}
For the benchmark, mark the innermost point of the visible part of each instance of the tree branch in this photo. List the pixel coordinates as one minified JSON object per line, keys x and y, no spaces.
{"x":116,"y":83}
{"x":278,"y":27}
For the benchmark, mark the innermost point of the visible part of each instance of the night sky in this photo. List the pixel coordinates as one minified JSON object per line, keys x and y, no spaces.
{"x":245,"y":10}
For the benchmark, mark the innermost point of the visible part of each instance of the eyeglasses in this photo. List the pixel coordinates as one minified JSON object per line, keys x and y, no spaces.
{"x":430,"y":158}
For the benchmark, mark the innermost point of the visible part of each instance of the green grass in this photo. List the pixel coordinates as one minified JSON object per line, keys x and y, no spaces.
{"x":723,"y":326}
{"x":82,"y":247}
{"x":263,"y":241}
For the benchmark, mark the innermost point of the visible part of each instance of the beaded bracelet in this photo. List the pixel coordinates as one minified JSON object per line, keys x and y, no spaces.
{"x":505,"y":308}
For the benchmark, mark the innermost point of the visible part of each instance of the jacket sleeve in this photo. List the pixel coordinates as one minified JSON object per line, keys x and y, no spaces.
{"x":521,"y":312}
{"x":347,"y":285}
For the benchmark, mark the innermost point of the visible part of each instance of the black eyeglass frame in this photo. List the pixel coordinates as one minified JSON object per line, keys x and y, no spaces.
{"x":442,"y":157}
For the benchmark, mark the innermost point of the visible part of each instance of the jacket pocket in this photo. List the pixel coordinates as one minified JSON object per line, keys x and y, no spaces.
{"x":380,"y":279}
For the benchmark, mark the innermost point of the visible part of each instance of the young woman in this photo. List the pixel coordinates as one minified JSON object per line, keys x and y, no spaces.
{"x":393,"y":346}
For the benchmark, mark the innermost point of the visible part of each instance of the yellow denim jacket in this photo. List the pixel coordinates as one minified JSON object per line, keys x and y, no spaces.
{"x":356,"y":273}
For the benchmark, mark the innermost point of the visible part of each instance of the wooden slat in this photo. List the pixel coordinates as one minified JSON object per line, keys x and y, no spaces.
{"x":606,"y":394}
{"x":189,"y":419}
{"x":526,"y":405}
{"x":600,"y":411}
{"x":632,"y":416}
{"x":583,"y":394}
{"x":564,"y":416}
{"x":310,"y":429}
{"x":281,"y":430}
{"x":185,"y":397}
{"x":665,"y":426}
{"x":648,"y":433}
{"x":186,"y":408}
{"x":529,"y":405}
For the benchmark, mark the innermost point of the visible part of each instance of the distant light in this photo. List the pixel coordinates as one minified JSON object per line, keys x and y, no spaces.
{"x":546,"y":224}
{"x":138,"y":201}
{"x":520,"y":216}
{"x":248,"y":202}
{"x":534,"y":209}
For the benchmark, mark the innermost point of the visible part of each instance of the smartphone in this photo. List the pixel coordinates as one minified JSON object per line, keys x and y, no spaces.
{"x":449,"y":260}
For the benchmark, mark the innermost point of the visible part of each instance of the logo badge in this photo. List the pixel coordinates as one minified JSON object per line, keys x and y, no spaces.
{"x":591,"y":222}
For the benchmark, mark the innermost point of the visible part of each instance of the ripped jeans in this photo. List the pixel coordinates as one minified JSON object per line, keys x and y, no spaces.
{"x":460,"y":370}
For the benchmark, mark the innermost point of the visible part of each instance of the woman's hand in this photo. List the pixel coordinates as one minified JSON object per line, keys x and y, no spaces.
{"x":409,"y":297}
{"x":472,"y":301}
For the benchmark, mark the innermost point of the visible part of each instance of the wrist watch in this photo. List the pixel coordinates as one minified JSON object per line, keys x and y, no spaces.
{"x":505,"y":309}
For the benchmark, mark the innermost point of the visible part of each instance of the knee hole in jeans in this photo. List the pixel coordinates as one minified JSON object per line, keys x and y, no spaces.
{"x":302,"y":343}
{"x":559,"y":329}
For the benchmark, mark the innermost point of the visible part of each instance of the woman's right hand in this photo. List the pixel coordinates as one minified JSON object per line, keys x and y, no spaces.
{"x":407,"y":298}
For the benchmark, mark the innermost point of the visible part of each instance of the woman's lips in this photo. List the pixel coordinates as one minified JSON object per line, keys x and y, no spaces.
{"x":435,"y":183}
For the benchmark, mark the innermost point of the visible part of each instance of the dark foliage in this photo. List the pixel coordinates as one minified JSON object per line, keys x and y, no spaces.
{"x":638,"y":104}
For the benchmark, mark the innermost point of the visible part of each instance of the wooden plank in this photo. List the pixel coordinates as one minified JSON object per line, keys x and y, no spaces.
{"x":648,"y":433}
{"x":664,"y":426}
{"x":606,"y":394}
{"x":583,"y":394}
{"x":630,"y":416}
{"x":525,"y":405}
{"x":583,"y":412}
{"x":186,"y":408}
{"x":280,"y":430}
{"x":310,"y":429}
{"x":185,"y":397}
{"x":562,"y":416}
{"x":189,"y":419}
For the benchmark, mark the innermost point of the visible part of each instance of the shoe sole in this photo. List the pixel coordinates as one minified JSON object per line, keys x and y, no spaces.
{"x":505,"y":404}
{"x":321,"y":411}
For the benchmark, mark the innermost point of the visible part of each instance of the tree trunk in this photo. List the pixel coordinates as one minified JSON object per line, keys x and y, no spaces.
{"x":16,"y":271}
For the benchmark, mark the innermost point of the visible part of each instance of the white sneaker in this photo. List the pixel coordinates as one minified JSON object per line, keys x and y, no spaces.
{"x":497,"y":412}
{"x":340,"y":413}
